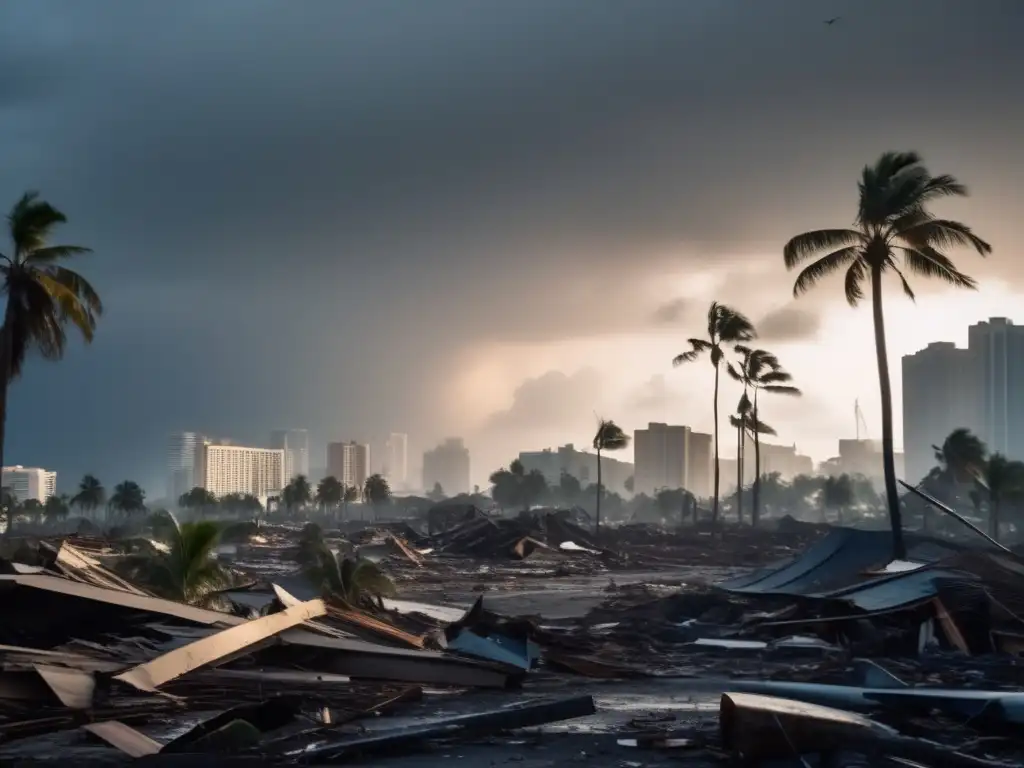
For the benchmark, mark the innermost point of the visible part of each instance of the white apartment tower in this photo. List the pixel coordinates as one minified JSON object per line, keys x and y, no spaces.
{"x":295,"y":444}
{"x":26,"y":483}
{"x":349,"y":462}
{"x":224,"y":469}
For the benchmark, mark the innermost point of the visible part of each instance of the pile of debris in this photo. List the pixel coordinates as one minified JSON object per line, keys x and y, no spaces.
{"x":82,"y":648}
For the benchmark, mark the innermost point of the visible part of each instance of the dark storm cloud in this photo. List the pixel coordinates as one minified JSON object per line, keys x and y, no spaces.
{"x":302,"y":217}
{"x":788,"y":324}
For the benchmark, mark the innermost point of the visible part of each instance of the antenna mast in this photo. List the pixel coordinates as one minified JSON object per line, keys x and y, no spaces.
{"x":858,"y":418}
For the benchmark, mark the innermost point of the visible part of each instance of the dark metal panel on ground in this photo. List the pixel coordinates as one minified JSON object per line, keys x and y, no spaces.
{"x":368,"y":661}
{"x":839,"y":560}
{"x":523,"y":715}
{"x":896,"y":590}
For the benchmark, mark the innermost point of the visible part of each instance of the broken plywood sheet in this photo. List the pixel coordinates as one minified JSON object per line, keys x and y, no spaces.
{"x":124,"y":738}
{"x":218,"y":647}
{"x":142,"y":603}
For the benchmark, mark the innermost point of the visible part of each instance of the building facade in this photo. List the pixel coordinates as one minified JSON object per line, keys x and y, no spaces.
{"x":26,"y":483}
{"x":396,"y":460}
{"x":447,"y":464}
{"x":941,"y":386}
{"x":997,"y":347}
{"x":222,"y":469}
{"x":181,"y":463}
{"x":295,"y":444}
{"x":672,"y":456}
{"x":349,"y":462}
{"x":579,"y":464}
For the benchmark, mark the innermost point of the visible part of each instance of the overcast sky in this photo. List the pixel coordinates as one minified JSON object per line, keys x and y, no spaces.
{"x":478,"y":218}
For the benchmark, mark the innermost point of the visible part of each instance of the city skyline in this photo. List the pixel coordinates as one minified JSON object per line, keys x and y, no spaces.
{"x":471,"y":238}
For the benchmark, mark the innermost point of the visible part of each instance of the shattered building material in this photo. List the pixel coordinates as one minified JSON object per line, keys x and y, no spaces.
{"x":223,"y":645}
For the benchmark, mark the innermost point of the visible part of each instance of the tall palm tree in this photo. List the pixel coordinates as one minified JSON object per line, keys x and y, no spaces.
{"x":91,"y":495}
{"x":759,"y":371}
{"x":893,"y":231}
{"x":57,"y":508}
{"x":961,"y":456}
{"x":329,"y":493}
{"x":376,"y":490}
{"x":609,"y":437}
{"x":297,"y":494}
{"x":725,"y":326}
{"x":350,"y":496}
{"x":43,"y":296}
{"x":740,"y":421}
{"x":128,"y":498}
{"x":1003,"y":481}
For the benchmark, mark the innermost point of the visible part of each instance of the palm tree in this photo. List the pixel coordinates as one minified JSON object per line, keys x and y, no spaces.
{"x":57,"y":508}
{"x":197,"y":500}
{"x":609,"y":437}
{"x":376,"y":490}
{"x":349,"y":496}
{"x":961,"y":457}
{"x":725,"y":326}
{"x":837,"y":494}
{"x":1003,"y":481}
{"x":43,"y":297}
{"x":348,"y":580}
{"x":91,"y":495}
{"x":760,"y":371}
{"x":748,"y":428}
{"x":329,"y":493}
{"x":892,"y":229}
{"x":128,"y":498}
{"x":297,"y":494}
{"x":189,"y":571}
{"x":741,"y":422}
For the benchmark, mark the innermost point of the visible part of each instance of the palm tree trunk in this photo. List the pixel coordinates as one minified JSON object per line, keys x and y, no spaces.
{"x":739,"y":473}
{"x":755,"y":513}
{"x":5,"y":382}
{"x":597,"y":516}
{"x":892,"y":497}
{"x":714,"y":501}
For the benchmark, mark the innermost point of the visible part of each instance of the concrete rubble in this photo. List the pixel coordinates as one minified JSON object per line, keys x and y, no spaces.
{"x":832,"y":650}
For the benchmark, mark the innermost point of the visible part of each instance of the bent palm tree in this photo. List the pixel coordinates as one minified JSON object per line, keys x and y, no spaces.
{"x":128,"y":498}
{"x":741,"y":422}
{"x":347,"y":579}
{"x":893,"y":228}
{"x":725,"y":326}
{"x":609,"y":437}
{"x":760,"y":371}
{"x":187,"y":571}
{"x":91,"y":494}
{"x":43,"y":297}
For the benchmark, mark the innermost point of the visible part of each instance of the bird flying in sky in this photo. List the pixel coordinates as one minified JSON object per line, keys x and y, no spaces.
{"x":833,"y":20}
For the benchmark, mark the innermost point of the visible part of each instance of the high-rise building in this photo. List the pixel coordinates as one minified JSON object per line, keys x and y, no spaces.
{"x":998,"y":349}
{"x":670,"y":456}
{"x":223,"y":469}
{"x":181,"y":463}
{"x":396,"y":459}
{"x":448,"y":465}
{"x":295,"y":444}
{"x":26,"y":483}
{"x":349,"y":462}
{"x":579,"y":464}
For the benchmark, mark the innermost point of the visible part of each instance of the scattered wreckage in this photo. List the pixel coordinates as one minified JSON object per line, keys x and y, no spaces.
{"x":836,"y":649}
